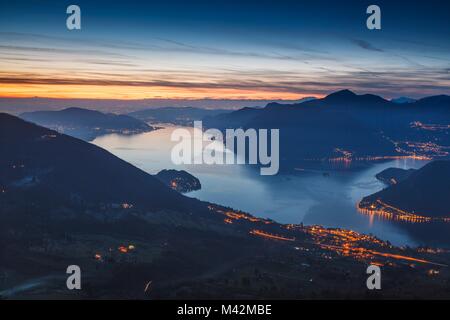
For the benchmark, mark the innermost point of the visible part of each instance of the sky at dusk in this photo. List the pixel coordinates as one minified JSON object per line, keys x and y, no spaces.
{"x":223,"y":49}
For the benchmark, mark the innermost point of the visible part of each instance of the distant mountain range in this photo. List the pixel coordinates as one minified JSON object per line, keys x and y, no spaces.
{"x":424,"y":192}
{"x":184,"y":116}
{"x":341,"y":128}
{"x":20,"y":105}
{"x":403,"y":100}
{"x":347,"y":126}
{"x":86,"y":124}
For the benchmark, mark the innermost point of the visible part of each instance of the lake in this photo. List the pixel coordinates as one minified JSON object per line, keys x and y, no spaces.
{"x":308,"y":197}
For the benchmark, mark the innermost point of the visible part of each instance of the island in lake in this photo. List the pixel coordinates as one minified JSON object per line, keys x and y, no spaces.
{"x":179,"y":180}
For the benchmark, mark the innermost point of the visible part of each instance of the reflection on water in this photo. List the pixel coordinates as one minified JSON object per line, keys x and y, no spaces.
{"x":309,"y":197}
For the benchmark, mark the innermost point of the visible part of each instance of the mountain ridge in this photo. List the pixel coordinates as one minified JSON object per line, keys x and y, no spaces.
{"x":364,"y":126}
{"x":68,"y":167}
{"x":86,"y":124}
{"x":425,"y":191}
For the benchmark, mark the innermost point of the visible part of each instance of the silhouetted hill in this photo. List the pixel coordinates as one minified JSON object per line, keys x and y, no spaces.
{"x":86,"y":124}
{"x":426,"y":191}
{"x":342,"y":95}
{"x":392,"y":176}
{"x":179,"y":180}
{"x":441,"y":101}
{"x":313,"y":131}
{"x":347,"y":98}
{"x":175,"y":115}
{"x":50,"y":168}
{"x":235,"y":119}
{"x":365,"y":125}
{"x":278,"y":104}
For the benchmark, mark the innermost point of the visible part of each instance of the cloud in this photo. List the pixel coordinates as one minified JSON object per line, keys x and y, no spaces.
{"x":109,"y":47}
{"x":312,"y":72}
{"x":385,"y":83}
{"x":28,"y":49}
{"x":178,"y":46}
{"x":366,"y":45}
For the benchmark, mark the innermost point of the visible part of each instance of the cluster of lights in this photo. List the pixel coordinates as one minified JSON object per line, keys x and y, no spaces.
{"x":271,"y":236}
{"x":385,"y":211}
{"x":123,"y":249}
{"x":344,"y":242}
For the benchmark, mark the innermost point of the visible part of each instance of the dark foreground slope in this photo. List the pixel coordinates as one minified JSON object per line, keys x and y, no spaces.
{"x":86,"y":124}
{"x":425,"y":192}
{"x":56,"y":167}
{"x":66,"y":202}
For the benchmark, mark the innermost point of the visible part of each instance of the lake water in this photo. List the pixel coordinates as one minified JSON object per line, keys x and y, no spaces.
{"x":307,"y":197}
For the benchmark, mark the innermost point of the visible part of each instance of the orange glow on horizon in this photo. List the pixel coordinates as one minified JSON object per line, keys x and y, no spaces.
{"x":136,"y":93}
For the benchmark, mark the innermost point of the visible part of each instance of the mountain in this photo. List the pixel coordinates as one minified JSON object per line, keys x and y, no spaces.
{"x":20,"y":105}
{"x":176,"y":115}
{"x":86,"y":124}
{"x":425,"y":192}
{"x":185,"y":116}
{"x":441,"y":102}
{"x":391,"y":176}
{"x":64,"y":202}
{"x":349,"y":97}
{"x":236,"y":119}
{"x":313,"y":132}
{"x":44,"y":164}
{"x":403,"y":100}
{"x":278,"y":104}
{"x":344,"y":123}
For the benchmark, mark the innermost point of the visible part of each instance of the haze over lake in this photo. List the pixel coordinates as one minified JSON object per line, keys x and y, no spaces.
{"x":309,"y":196}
